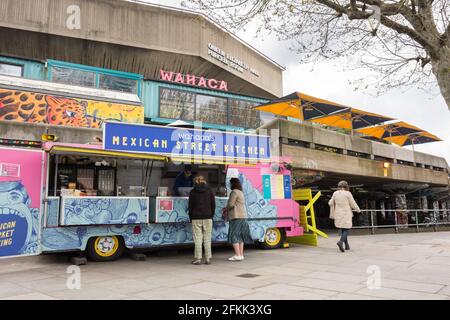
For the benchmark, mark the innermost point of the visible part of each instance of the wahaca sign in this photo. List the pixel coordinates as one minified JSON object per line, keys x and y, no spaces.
{"x":193,"y":80}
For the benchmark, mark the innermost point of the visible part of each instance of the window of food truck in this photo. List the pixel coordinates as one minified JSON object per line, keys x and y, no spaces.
{"x":80,"y":175}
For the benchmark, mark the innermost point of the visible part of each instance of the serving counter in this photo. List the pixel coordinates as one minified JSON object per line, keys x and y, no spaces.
{"x":175,"y":209}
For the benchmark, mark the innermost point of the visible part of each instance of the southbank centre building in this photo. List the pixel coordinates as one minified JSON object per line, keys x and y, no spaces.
{"x":69,"y":67}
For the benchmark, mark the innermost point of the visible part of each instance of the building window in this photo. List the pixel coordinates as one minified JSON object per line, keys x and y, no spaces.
{"x":115,"y":83}
{"x":11,"y":69}
{"x":242,"y":114}
{"x":74,"y":77}
{"x":211,"y":109}
{"x":87,"y":76}
{"x":176,"y":104}
{"x":185,"y":105}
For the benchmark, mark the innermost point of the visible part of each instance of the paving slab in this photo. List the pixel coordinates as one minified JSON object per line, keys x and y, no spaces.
{"x":328,"y":285}
{"x":399,"y":294}
{"x":413,"y":266}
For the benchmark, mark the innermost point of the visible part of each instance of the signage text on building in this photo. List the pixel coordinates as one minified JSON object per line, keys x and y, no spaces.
{"x":230,"y":60}
{"x":193,"y":80}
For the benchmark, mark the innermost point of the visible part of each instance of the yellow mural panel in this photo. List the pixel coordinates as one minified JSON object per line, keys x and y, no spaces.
{"x":107,"y":111}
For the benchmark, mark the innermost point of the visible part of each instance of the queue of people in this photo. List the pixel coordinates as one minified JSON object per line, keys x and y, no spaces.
{"x":201,"y":209}
{"x":202,"y":206}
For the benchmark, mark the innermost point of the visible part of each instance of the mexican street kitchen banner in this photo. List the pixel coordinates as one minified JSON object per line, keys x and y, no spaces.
{"x":181,"y":142}
{"x":20,"y":201}
{"x":33,"y":107}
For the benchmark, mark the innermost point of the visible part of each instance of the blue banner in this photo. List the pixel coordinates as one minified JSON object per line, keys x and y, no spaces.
{"x":173,"y":142}
{"x":287,"y":186}
{"x":267,"y":186}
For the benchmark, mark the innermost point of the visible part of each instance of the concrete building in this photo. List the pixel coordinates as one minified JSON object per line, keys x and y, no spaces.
{"x":99,"y":60}
{"x":382,"y":176}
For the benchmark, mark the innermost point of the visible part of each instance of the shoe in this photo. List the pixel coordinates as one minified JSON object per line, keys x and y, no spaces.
{"x":347,"y":247}
{"x":234,"y":258}
{"x":339,"y":244}
{"x":240,"y":258}
{"x":207,"y":261}
{"x":196,"y":261}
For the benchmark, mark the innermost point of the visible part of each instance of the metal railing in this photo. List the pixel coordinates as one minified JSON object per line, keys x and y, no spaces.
{"x":428,"y":218}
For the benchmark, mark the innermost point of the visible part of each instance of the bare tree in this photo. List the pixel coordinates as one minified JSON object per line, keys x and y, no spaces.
{"x":401,"y":42}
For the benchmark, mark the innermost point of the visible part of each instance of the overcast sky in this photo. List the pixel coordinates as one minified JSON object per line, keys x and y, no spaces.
{"x":425,"y":110}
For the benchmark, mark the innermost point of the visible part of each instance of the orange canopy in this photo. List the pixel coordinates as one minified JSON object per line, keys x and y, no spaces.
{"x":352,"y":119}
{"x":301,"y":106}
{"x":390,"y":130}
{"x":414,"y":138}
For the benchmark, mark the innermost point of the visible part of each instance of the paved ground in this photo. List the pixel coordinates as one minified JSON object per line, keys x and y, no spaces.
{"x":412,"y":266}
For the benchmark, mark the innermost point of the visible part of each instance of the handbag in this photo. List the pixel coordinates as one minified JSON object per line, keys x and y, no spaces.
{"x":332,"y":210}
{"x":224,"y":213}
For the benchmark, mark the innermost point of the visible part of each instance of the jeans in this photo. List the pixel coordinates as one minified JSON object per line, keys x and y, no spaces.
{"x":201,"y":234}
{"x":344,"y":236}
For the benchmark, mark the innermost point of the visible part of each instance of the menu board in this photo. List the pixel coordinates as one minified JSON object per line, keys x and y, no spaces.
{"x":276,"y":186}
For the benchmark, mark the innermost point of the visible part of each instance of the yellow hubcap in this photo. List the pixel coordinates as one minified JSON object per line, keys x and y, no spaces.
{"x":106,"y":246}
{"x":273,"y":236}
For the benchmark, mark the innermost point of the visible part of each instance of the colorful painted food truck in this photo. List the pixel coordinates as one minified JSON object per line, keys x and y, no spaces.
{"x":105,"y":199}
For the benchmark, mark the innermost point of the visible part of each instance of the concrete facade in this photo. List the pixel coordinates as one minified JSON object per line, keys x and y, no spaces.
{"x":149,"y":36}
{"x":421,"y":167}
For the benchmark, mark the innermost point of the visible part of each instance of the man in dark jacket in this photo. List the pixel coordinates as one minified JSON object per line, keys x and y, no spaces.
{"x":183,"y":180}
{"x":202,"y":205}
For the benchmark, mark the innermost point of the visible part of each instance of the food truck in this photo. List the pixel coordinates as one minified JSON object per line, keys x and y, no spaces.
{"x":103,"y":199}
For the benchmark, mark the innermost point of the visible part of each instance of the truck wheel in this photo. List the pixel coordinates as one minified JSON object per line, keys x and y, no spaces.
{"x":273,"y":238}
{"x":105,"y":248}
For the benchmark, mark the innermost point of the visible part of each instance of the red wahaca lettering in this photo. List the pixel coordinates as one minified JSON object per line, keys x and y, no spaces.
{"x":193,"y":80}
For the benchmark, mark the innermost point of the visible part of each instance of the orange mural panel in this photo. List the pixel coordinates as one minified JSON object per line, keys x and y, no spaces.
{"x":32,"y":107}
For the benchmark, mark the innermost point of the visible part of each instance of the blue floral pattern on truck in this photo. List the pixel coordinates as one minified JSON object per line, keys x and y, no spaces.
{"x":52,"y":212}
{"x":18,"y":220}
{"x":102,"y":210}
{"x":261,"y":215}
{"x":161,"y":234}
{"x":180,"y":210}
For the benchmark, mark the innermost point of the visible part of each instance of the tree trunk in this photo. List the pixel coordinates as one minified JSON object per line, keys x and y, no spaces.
{"x":441,"y":69}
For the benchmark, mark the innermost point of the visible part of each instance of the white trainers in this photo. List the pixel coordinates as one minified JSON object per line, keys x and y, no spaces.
{"x":234,"y":258}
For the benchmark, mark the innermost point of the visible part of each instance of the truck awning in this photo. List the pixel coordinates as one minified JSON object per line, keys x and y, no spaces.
{"x":212,"y":160}
{"x":80,"y":151}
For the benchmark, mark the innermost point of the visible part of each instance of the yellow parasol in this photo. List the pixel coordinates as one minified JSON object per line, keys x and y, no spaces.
{"x":400,"y":128}
{"x":352,"y":119}
{"x":413,"y":139}
{"x":301,"y":106}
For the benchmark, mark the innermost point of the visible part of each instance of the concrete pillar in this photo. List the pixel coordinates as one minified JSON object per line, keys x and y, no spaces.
{"x":445,"y":215}
{"x":364,"y":219}
{"x":373,"y":206}
{"x":436,"y":214}
{"x":424,"y":203}
{"x":382,"y":208}
{"x":400,"y":208}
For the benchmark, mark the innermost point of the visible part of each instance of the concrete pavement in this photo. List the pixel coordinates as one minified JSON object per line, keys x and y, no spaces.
{"x":388,"y":266}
